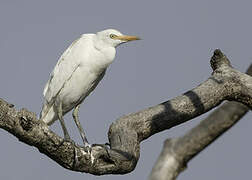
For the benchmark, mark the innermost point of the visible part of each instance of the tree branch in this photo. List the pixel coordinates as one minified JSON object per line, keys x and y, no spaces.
{"x":177,"y":152}
{"x":126,"y":133}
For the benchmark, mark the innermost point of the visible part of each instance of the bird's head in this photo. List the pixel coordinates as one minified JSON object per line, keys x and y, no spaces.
{"x":114,"y":38}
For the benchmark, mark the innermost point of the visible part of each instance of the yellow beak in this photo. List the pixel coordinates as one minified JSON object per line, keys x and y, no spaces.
{"x":127,"y":38}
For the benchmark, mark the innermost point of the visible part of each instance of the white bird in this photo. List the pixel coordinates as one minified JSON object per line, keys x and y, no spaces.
{"x":76,"y":74}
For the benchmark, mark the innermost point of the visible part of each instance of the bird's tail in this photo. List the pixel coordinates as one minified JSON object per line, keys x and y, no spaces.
{"x":48,"y":114}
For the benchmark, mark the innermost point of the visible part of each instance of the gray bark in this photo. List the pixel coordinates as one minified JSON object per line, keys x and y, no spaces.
{"x":126,"y":133}
{"x":177,"y":152}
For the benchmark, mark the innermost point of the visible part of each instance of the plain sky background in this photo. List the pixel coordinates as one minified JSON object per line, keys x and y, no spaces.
{"x":179,"y":37}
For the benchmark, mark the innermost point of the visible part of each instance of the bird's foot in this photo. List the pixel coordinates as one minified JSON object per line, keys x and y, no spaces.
{"x":87,"y":147}
{"x":106,"y":146}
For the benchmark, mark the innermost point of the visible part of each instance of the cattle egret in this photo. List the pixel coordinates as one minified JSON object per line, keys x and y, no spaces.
{"x":78,"y":71}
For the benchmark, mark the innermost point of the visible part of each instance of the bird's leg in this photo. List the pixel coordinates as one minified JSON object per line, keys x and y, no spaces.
{"x":77,"y":122}
{"x":62,"y":123}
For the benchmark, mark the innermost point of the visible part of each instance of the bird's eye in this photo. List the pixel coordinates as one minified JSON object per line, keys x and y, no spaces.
{"x":112,"y":36}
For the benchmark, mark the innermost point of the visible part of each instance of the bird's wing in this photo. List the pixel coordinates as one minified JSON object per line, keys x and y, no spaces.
{"x":64,"y":69}
{"x":96,"y":81}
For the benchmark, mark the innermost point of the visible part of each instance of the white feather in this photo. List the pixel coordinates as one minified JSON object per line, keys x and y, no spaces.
{"x":79,"y":70}
{"x":75,"y":75}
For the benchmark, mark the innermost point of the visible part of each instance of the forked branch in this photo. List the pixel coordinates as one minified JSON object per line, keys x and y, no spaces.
{"x":177,"y":152}
{"x":126,"y":133}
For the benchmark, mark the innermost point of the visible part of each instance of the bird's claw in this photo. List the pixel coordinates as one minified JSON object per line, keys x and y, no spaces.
{"x":87,"y":147}
{"x":105,"y":146}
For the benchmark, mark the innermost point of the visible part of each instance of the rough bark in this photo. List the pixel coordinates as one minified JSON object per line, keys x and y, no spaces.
{"x":126,"y":133}
{"x":177,"y":152}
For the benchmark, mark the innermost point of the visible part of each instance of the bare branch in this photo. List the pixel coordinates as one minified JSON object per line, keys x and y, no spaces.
{"x":177,"y":152}
{"x":126,"y":133}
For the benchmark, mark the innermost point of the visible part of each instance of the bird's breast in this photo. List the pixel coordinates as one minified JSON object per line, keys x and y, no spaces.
{"x":99,"y":60}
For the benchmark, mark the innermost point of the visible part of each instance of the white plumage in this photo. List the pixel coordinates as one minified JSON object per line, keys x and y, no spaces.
{"x":77,"y":73}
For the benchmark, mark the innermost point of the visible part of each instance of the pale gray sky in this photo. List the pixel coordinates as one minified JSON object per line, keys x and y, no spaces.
{"x":173,"y":57}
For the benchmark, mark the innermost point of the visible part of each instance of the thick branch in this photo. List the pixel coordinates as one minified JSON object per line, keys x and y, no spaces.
{"x":127,"y":132}
{"x":177,"y":152}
